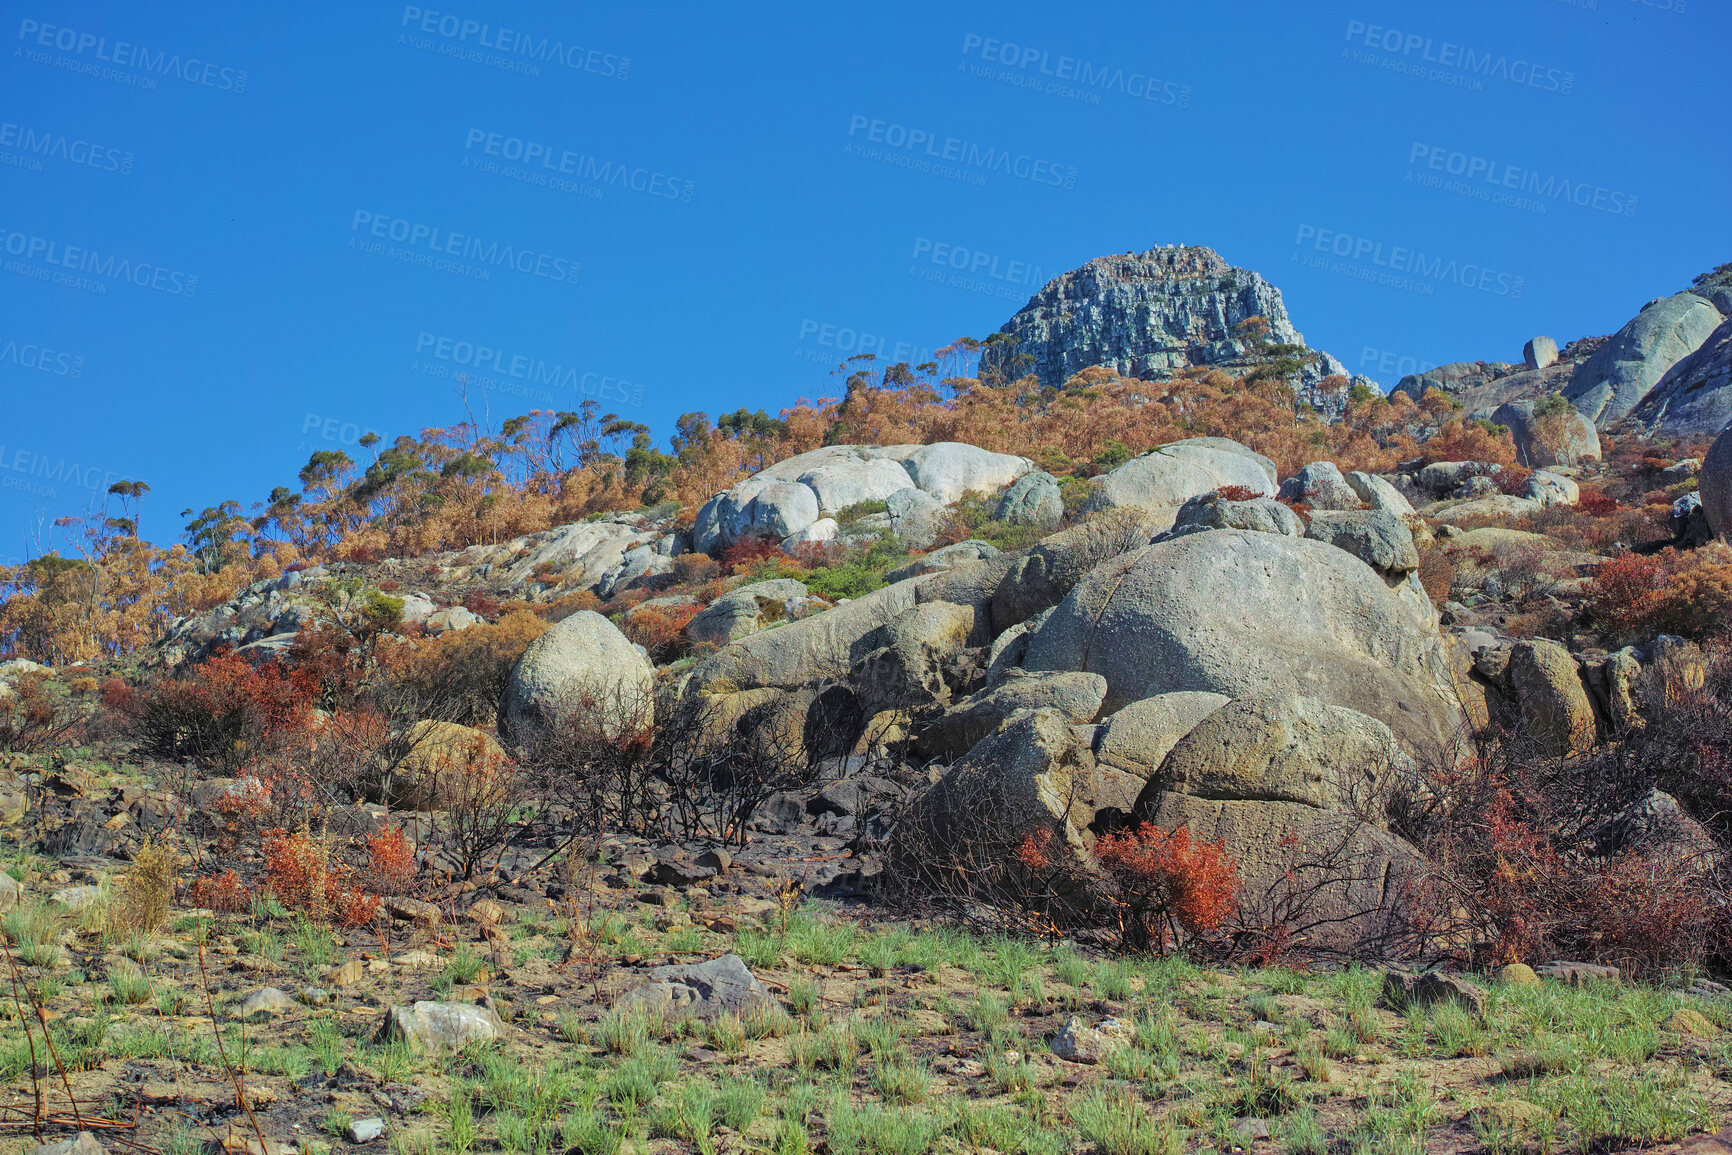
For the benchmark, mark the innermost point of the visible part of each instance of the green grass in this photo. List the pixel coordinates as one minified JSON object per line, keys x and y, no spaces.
{"x":33,"y":928}
{"x":1118,"y":1124}
{"x":128,"y":986}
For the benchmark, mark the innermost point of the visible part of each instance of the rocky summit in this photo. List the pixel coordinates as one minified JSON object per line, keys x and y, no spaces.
{"x":1148,"y":315}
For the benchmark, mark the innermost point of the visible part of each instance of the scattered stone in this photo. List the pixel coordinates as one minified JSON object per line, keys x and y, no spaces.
{"x":346,"y":975}
{"x":1539,"y":352}
{"x":428,"y":1026}
{"x":366,"y":1130}
{"x":1402,"y":990}
{"x":84,"y":1144}
{"x":1251,"y":1129}
{"x":77,"y":898}
{"x":418,"y":959}
{"x":1578,"y":974}
{"x":265,"y":1001}
{"x":11,"y":890}
{"x":1081,"y":1043}
{"x":702,"y":990}
{"x":412,"y":910}
{"x":313,"y":996}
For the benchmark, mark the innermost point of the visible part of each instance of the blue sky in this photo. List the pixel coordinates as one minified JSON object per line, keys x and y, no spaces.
{"x":231,"y":234}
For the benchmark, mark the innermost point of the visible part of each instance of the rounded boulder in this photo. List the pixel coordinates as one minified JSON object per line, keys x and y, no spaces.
{"x":581,"y":668}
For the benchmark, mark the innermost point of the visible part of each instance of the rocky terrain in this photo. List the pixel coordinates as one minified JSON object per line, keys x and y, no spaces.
{"x":910,"y":797}
{"x":1149,"y":314}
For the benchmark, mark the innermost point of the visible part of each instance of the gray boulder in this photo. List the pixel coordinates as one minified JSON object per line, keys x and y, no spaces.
{"x":1655,"y":824}
{"x":1256,"y":615}
{"x":1078,"y":696}
{"x":1032,"y":499}
{"x":1260,"y":514}
{"x":1694,"y":398}
{"x":1041,"y":577}
{"x":949,"y":469}
{"x":582,"y":667}
{"x":1615,"y":379}
{"x":1286,"y":749}
{"x":1716,"y":485}
{"x":1376,"y":537}
{"x":904,"y":664}
{"x":1165,"y":478}
{"x":1689,"y":522}
{"x":944,"y":558}
{"x":1561,"y":437}
{"x":1551,"y":489}
{"x":1138,"y":737}
{"x":1539,"y":352}
{"x":779,"y":509}
{"x":743,"y":611}
{"x":264,"y":1001}
{"x":1320,"y":486}
{"x":1445,"y":477}
{"x":915,"y":517}
{"x":1377,"y":493}
{"x":1557,"y":713}
{"x":704,"y":990}
{"x":428,"y":1027}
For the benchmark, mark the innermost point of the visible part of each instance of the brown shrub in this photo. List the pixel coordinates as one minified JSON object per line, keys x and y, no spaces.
{"x":469,"y":668}
{"x":142,"y":899}
{"x":1459,"y":440}
{"x":661,"y":631}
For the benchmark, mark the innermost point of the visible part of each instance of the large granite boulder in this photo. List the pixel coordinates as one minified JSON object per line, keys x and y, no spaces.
{"x":1378,"y":493}
{"x":444,"y":763}
{"x":1716,"y":485}
{"x":949,"y":469}
{"x":1256,"y":614}
{"x":1560,"y":434}
{"x":1376,"y":537}
{"x":1077,"y":695}
{"x":1041,"y":577}
{"x":1557,"y":712}
{"x":1615,"y":379}
{"x":916,"y":517}
{"x":903,"y":664}
{"x":1694,"y":398}
{"x":1032,"y":499}
{"x":581,"y":669}
{"x":744,"y":610}
{"x":1320,"y":486}
{"x":1286,"y":749}
{"x":1138,"y":737}
{"x":1163,"y":479}
{"x":429,"y":1027}
{"x":1262,"y":514}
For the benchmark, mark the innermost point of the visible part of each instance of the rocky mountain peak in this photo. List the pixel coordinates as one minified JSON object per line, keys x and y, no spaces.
{"x":1148,"y":315}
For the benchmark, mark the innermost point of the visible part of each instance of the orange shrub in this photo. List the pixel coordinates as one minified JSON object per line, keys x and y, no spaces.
{"x":1688,"y":594}
{"x":1236,"y":493}
{"x":1169,"y":883}
{"x":1461,"y":440}
{"x":661,"y":631}
{"x":222,"y":893}
{"x":226,"y":712}
{"x":299,"y":871}
{"x":390,"y":860}
{"x":466,"y":670}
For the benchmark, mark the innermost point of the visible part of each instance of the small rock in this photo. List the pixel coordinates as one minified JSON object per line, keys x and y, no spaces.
{"x":11,"y":890}
{"x":659,"y":896}
{"x":264,"y":1001}
{"x":346,"y":975}
{"x":411,"y":910}
{"x":366,"y":1130}
{"x":314,"y":996}
{"x":717,"y":860}
{"x":670,"y":919}
{"x":1689,"y":1021}
{"x":1402,"y":990}
{"x":1251,"y":1129}
{"x":703,"y":990}
{"x":1081,"y":1043}
{"x":77,"y":898}
{"x":1518,"y":975}
{"x":1578,"y":974}
{"x":418,"y":959}
{"x":428,"y":1026}
{"x":84,"y":1144}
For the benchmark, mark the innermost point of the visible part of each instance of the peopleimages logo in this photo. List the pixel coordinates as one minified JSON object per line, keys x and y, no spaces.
{"x":1399,"y":266}
{"x":1073,"y":78}
{"x":925,"y":151}
{"x":522,"y":49}
{"x":21,"y":464}
{"x":427,"y":245}
{"x":521,"y":367}
{"x":33,"y":144}
{"x":555,"y":163}
{"x":66,"y":261}
{"x":87,"y":46}
{"x":1409,"y":53}
{"x":942,"y":263}
{"x":1518,"y":187}
{"x":41,"y":358}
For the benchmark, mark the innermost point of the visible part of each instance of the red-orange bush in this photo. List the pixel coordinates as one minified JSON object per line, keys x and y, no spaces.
{"x":1596,"y":503}
{"x":1688,"y":593}
{"x":1237,"y":493}
{"x":223,"y":893}
{"x":390,"y":860}
{"x":300,"y":872}
{"x":661,"y":631}
{"x":1171,"y":885}
{"x":226,"y":712}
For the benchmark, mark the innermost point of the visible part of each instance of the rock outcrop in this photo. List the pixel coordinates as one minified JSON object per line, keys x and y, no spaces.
{"x":1559,"y":434}
{"x":1148,"y":315}
{"x":1163,"y":479}
{"x":1256,"y":614}
{"x":1695,"y":396}
{"x":1612,"y":382}
{"x":789,"y":498}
